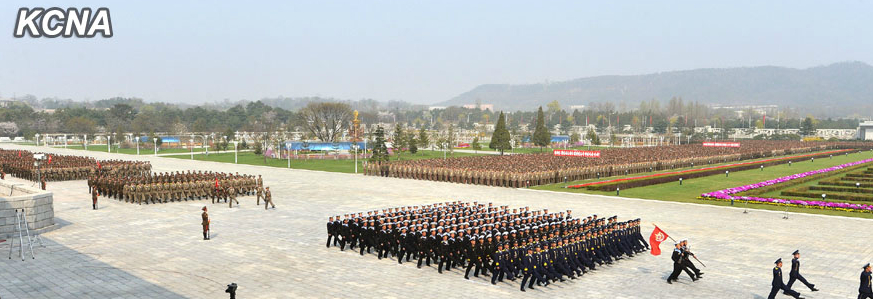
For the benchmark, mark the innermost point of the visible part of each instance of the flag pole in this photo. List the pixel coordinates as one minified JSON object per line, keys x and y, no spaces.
{"x":674,"y":240}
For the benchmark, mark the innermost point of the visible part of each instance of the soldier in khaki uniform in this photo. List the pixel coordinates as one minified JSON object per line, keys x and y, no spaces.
{"x":231,"y":192}
{"x":268,"y":198}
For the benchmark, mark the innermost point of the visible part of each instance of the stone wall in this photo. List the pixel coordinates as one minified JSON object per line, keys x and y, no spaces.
{"x":37,"y":203}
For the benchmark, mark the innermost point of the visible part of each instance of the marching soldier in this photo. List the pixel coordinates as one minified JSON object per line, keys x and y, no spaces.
{"x":268,"y":198}
{"x":865,"y":291}
{"x":778,"y":284}
{"x":794,"y":275}
{"x":259,"y":193}
{"x":231,"y":192}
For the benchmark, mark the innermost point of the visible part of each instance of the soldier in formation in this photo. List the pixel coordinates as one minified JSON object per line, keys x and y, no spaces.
{"x":519,"y":171}
{"x":174,"y":186}
{"x":21,"y":164}
{"x":538,"y":246}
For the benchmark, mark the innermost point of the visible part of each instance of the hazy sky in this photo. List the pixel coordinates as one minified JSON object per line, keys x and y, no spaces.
{"x":417,"y":51}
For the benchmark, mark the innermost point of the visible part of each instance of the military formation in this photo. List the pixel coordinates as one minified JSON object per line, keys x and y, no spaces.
{"x":519,"y":171}
{"x":52,"y":167}
{"x":537,"y":246}
{"x":177,"y":186}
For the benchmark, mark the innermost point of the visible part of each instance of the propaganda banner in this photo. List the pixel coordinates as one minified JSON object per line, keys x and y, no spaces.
{"x":575,"y":153}
{"x":721,"y":144}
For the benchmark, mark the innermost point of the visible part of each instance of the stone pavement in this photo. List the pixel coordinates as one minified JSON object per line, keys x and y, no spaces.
{"x":156,"y":251}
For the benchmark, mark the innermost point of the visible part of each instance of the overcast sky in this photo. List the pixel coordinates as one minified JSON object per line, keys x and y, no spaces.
{"x":417,"y":51}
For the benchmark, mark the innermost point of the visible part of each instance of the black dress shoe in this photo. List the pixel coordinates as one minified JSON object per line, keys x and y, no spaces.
{"x":669,"y":281}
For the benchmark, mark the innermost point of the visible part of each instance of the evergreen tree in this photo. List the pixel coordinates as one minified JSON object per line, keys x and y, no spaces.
{"x":807,"y":127}
{"x":592,"y":136}
{"x":476,"y":146}
{"x":423,"y":141}
{"x":398,"y":140}
{"x":413,"y":144}
{"x":380,"y":151}
{"x":500,"y":138}
{"x":259,"y":148}
{"x":574,"y":138}
{"x":541,"y":137}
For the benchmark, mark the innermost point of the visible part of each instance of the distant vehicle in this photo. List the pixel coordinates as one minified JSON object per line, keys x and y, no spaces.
{"x":5,"y":139}
{"x":18,"y":139}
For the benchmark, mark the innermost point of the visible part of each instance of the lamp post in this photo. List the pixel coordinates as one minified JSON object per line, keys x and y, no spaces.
{"x":726,"y":173}
{"x":680,"y":181}
{"x":155,"y":142}
{"x":288,"y":153}
{"x":192,"y":146}
{"x":137,"y":145}
{"x":86,"y":142}
{"x":355,"y":145}
{"x":235,"y":161}
{"x":108,"y":142}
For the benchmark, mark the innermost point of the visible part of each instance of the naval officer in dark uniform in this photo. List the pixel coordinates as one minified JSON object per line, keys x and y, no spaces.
{"x":778,"y":283}
{"x":794,"y":275}
{"x":864,"y":291}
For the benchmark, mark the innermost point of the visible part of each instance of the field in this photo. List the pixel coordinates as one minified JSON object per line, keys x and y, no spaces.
{"x":144,"y":150}
{"x":345,"y":166}
{"x":692,"y":188}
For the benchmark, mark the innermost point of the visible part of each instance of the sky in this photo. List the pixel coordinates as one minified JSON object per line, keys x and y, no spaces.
{"x":416,"y":51}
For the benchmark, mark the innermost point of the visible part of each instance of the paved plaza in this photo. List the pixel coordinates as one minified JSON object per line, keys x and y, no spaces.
{"x":124,"y":250}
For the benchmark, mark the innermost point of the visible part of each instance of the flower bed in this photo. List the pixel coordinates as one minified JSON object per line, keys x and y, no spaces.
{"x":728,"y":194}
{"x":660,"y":178}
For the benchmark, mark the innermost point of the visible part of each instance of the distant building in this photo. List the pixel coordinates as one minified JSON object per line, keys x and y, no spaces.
{"x":577,"y":107}
{"x":741,"y":110}
{"x":865,"y":130}
{"x":482,"y":107}
{"x":431,"y":108}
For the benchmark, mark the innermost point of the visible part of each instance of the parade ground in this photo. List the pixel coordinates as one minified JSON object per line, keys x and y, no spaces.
{"x":123,"y":250}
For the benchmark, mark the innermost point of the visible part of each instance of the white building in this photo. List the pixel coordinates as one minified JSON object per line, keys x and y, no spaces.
{"x":865,"y":130}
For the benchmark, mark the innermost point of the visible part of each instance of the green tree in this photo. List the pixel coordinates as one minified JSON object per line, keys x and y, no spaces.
{"x":575,"y":137}
{"x":592,"y":136}
{"x":807,"y":127}
{"x":259,"y":148}
{"x":398,"y":140}
{"x":541,"y":137}
{"x":243,"y":144}
{"x":500,"y":138}
{"x":475,"y":145}
{"x":413,"y":144}
{"x":423,"y":141}
{"x":450,"y":139}
{"x":380,"y":151}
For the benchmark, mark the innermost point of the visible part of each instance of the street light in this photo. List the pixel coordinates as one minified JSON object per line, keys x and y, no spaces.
{"x":235,"y":161}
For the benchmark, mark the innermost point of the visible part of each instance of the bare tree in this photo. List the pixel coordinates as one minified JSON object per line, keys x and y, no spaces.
{"x":326,"y":120}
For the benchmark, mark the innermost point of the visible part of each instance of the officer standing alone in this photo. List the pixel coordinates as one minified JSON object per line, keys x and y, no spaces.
{"x":205,"y":223}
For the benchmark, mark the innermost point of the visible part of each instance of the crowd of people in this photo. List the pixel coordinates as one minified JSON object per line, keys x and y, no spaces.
{"x":22,"y":164}
{"x":539,"y":247}
{"x":538,"y":169}
{"x":177,"y":186}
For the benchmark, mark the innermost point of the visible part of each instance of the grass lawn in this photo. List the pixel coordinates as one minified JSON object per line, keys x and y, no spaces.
{"x":143,"y":150}
{"x":345,"y":166}
{"x":692,"y":188}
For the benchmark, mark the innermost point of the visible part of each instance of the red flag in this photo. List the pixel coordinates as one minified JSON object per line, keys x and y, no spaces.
{"x":98,"y":165}
{"x":765,"y":120}
{"x":655,"y":240}
{"x":50,"y":159}
{"x":216,"y":182}
{"x":19,"y":154}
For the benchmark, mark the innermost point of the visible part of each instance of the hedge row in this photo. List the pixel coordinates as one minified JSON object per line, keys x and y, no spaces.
{"x":846,"y":184}
{"x":852,"y":197}
{"x":841,"y":189}
{"x":688,"y":175}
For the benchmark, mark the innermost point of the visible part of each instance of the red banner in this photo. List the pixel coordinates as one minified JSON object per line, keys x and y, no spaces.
{"x":655,"y":240}
{"x":721,"y":144}
{"x":575,"y":153}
